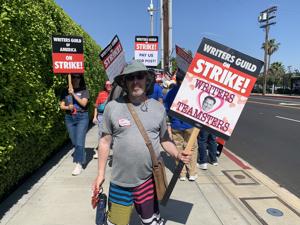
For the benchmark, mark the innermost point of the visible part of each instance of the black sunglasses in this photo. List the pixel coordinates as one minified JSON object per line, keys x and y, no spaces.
{"x":139,"y":76}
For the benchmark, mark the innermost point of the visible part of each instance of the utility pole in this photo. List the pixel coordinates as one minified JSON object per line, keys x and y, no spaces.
{"x":162,"y":34}
{"x":151,"y":10}
{"x":170,"y":33}
{"x":264,"y":18}
{"x":166,"y":34}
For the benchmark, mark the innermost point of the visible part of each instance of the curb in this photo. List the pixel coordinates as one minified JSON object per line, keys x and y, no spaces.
{"x":276,"y":96}
{"x":263,"y":179}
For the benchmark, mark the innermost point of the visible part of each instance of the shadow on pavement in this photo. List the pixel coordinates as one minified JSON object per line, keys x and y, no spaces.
{"x":89,"y":156}
{"x":24,"y":187}
{"x":176,"y":211}
{"x":169,"y":161}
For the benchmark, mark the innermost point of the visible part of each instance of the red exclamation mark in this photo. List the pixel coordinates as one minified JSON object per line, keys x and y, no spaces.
{"x":246,"y":84}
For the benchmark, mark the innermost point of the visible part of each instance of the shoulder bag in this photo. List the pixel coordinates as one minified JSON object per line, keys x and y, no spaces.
{"x":158,"y":166}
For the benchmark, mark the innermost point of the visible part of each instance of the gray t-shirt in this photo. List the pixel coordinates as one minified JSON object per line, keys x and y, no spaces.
{"x":132,"y":163}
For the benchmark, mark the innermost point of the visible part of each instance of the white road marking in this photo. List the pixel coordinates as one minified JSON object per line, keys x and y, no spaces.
{"x":284,"y":118}
{"x":285,"y":103}
{"x":276,"y":105}
{"x":275,"y":100}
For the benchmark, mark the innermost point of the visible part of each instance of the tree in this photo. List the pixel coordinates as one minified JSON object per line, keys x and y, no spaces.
{"x":276,"y":73}
{"x":174,"y":63}
{"x":272,"y":47}
{"x":289,"y":75}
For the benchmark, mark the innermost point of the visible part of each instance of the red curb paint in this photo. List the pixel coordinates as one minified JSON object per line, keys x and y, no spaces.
{"x":235,"y":159}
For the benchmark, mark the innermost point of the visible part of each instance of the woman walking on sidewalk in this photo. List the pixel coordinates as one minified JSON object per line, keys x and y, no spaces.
{"x":74,"y":102}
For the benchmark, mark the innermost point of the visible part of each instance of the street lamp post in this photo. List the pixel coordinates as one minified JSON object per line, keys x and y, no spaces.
{"x":265,"y":18}
{"x":151,"y":10}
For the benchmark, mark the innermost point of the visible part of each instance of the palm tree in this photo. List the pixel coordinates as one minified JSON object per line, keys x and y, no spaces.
{"x":271,"y":46}
{"x":276,"y":73}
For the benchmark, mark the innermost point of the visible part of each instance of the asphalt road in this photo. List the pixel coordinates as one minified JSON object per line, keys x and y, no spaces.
{"x":267,"y":136}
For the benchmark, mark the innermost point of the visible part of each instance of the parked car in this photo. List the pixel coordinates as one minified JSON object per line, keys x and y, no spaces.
{"x":282,"y":90}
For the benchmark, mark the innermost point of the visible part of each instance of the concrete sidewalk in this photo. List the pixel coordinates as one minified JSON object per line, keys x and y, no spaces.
{"x":232,"y":193}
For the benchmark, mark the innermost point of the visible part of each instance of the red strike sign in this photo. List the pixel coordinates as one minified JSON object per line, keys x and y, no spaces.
{"x":113,"y":54}
{"x":67,"y":54}
{"x":218,"y":73}
{"x":146,"y":46}
{"x":67,"y":63}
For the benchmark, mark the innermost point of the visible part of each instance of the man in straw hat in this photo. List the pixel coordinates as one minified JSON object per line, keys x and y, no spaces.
{"x":131,"y":178}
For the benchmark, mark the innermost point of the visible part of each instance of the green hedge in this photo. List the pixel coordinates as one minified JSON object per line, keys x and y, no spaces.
{"x":31,"y":123}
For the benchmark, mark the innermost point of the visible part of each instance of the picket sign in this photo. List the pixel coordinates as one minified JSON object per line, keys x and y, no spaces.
{"x":70,"y":86}
{"x":70,"y":81}
{"x":193,"y":138}
{"x":188,"y":150}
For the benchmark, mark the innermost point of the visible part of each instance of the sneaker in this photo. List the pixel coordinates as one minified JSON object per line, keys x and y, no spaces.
{"x":95,"y":156}
{"x":193,"y":178}
{"x":77,"y":169}
{"x":215,"y":163}
{"x":203,"y":166}
{"x":182,"y":179}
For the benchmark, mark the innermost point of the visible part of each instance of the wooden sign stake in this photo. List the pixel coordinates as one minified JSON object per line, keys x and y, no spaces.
{"x":176,"y":174}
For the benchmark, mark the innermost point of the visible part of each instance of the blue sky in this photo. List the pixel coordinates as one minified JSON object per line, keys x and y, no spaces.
{"x":230,"y":22}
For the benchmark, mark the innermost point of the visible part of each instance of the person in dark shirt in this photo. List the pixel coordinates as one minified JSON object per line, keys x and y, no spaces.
{"x":74,"y":102}
{"x":157,"y":93}
{"x":207,"y":149}
{"x":181,"y":132}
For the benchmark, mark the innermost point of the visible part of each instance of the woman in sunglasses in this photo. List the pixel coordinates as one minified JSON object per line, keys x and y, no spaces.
{"x":74,"y":102}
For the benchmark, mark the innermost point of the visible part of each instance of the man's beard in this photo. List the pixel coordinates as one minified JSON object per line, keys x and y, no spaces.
{"x":137,"y":93}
